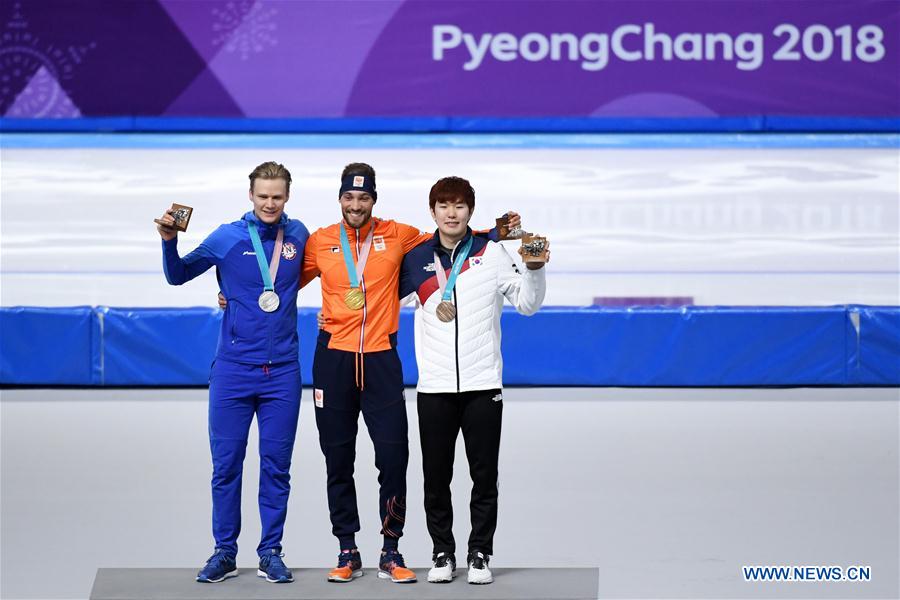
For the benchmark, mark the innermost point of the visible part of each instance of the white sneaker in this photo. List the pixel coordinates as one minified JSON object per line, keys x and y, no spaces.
{"x":444,"y":568}
{"x":479,"y":572}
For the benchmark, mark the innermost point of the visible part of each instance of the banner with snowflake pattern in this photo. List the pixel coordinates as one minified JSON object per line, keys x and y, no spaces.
{"x":395,"y":58}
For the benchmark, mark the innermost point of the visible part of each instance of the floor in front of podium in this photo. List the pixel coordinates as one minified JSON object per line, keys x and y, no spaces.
{"x":509,"y":584}
{"x":662,"y":493}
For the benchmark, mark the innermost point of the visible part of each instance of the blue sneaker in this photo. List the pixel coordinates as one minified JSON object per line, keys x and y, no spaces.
{"x":272,"y":568}
{"x":219,"y":567}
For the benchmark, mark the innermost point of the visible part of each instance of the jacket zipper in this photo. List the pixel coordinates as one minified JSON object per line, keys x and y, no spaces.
{"x":270,"y":338}
{"x":269,"y":320}
{"x":455,"y":321}
{"x":456,"y":338}
{"x":362,"y":287}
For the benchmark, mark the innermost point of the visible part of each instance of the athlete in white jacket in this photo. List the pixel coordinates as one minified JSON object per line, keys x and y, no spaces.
{"x":458,"y":282}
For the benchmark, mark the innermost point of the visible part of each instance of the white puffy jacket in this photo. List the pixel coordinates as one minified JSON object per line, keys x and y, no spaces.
{"x":464,"y":354}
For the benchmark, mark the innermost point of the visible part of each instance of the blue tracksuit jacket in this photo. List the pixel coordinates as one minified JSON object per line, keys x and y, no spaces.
{"x":248,"y":335}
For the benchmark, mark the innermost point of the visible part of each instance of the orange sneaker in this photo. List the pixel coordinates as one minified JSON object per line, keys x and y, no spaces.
{"x":391,"y":566}
{"x":349,"y":567}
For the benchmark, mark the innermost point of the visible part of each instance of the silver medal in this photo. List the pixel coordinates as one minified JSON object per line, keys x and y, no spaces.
{"x":269,"y":301}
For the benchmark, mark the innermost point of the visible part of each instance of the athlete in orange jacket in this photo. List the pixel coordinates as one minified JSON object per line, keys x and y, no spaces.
{"x":367,"y":329}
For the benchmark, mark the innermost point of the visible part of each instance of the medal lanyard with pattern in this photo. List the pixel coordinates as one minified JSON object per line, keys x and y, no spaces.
{"x":354,"y":271}
{"x":268,"y":274}
{"x":446,"y":285}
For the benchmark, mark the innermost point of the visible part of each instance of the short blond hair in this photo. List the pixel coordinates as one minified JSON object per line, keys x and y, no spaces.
{"x":271,"y":170}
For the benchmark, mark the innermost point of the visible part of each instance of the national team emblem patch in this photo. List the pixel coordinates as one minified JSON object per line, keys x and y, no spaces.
{"x":358,"y":181}
{"x":335,"y":249}
{"x":378,"y":243}
{"x":288,"y":251}
{"x":429,"y":267}
{"x":474,"y":261}
{"x":319,"y":396}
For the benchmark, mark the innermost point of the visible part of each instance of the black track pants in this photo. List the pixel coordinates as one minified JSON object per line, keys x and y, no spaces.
{"x":338,"y":404}
{"x":441,"y":416}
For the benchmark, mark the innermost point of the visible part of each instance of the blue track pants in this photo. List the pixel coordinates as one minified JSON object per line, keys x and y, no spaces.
{"x":236,"y":393}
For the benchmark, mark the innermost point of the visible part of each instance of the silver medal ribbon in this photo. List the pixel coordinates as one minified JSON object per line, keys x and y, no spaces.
{"x":268,"y":299}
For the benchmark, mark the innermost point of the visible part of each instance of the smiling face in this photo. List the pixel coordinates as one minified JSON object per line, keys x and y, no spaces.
{"x":452,"y":218}
{"x":356,"y":207}
{"x":269,"y":197}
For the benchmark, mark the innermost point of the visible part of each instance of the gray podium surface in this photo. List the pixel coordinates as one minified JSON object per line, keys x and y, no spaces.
{"x":179,"y":584}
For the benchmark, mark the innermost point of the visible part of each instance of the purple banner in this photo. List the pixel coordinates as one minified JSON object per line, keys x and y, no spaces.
{"x":298,"y":59}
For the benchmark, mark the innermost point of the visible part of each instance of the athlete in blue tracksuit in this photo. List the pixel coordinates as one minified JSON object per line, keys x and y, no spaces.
{"x":256,"y":369}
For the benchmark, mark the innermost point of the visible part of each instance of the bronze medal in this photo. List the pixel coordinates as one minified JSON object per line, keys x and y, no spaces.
{"x":445,"y":311}
{"x":354,"y":298}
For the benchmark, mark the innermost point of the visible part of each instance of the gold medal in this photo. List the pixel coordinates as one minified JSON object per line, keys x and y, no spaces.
{"x":445,"y":311}
{"x":354,"y":298}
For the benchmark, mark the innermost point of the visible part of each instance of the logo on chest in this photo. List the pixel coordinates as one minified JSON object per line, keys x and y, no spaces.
{"x":378,"y":243}
{"x":429,"y":267}
{"x":474,"y":261}
{"x":288,"y":251}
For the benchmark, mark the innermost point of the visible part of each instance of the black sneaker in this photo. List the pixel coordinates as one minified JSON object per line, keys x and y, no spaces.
{"x":444,"y":568}
{"x":219,"y":567}
{"x":479,"y":572}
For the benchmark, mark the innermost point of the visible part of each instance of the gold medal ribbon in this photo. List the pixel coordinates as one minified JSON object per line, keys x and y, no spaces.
{"x":355,"y":298}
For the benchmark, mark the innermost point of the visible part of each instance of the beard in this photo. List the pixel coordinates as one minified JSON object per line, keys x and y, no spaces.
{"x":357,"y":220}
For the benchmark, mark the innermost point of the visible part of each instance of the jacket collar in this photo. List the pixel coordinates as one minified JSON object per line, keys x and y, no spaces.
{"x":266,"y":231}
{"x":363,"y":231}
{"x":435,"y":241}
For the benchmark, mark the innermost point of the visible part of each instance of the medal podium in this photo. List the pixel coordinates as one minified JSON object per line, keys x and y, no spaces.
{"x":309,"y":583}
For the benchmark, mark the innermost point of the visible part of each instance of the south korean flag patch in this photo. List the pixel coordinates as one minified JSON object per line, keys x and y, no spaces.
{"x":474,"y":261}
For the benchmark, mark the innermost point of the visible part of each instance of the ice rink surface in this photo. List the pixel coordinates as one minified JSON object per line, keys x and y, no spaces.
{"x":669,"y":492}
{"x":724,"y":219}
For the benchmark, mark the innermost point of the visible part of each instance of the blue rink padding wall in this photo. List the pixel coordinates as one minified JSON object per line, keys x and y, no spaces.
{"x":594,"y":346}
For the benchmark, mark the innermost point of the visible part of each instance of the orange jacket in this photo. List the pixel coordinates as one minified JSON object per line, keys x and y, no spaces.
{"x":365,"y":330}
